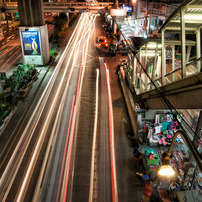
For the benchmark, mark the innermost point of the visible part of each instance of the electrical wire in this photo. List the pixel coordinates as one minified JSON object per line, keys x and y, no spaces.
{"x":172,"y":109}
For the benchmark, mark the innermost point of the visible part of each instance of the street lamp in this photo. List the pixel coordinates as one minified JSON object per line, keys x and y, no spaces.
{"x":166,"y":169}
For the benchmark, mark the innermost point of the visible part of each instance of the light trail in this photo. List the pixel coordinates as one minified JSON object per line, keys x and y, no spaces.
{"x":65,"y":150}
{"x":112,"y":152}
{"x":71,"y":71}
{"x":94,"y":140}
{"x":11,"y":57}
{"x":80,"y":81}
{"x":23,"y":188}
{"x":30,"y":122}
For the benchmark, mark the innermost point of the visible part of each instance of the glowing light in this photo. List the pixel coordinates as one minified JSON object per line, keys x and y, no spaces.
{"x":145,"y":36}
{"x":166,"y":170}
{"x":153,"y":45}
{"x":193,"y":17}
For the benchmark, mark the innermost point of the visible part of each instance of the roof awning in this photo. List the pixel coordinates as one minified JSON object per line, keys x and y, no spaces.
{"x":192,"y":17}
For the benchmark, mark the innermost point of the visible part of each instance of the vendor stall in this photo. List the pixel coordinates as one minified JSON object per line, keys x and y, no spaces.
{"x":151,"y":160}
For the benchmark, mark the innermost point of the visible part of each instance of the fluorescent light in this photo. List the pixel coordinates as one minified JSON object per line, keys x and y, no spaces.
{"x":153,"y":45}
{"x":148,"y":54}
{"x":193,"y":17}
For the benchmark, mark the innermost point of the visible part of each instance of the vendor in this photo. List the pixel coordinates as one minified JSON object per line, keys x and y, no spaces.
{"x":151,"y":156}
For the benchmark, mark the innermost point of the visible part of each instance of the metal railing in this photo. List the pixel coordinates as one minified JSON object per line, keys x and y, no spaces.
{"x":143,"y":84}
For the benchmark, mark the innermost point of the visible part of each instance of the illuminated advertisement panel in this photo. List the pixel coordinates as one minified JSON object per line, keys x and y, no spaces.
{"x":31,"y":42}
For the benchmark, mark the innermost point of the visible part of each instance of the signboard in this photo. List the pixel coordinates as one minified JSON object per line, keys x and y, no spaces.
{"x":117,"y":12}
{"x":128,"y":8}
{"x":31,"y":42}
{"x":35,"y":44}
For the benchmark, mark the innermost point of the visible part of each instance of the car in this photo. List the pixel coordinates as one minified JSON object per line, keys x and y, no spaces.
{"x":103,"y":42}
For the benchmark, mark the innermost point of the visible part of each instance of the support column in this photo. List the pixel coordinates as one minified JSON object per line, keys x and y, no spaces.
{"x":154,"y":65}
{"x":114,"y":25}
{"x":31,"y":12}
{"x":163,"y":65}
{"x":134,"y":70}
{"x":140,"y":74}
{"x":198,"y":49}
{"x":173,"y":62}
{"x":146,"y":69}
{"x":183,"y":44}
{"x":188,"y":53}
{"x":33,"y":32}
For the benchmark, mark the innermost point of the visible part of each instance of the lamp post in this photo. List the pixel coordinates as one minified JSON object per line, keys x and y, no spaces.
{"x":134,"y":5}
{"x":166,"y":158}
{"x":166,"y":170}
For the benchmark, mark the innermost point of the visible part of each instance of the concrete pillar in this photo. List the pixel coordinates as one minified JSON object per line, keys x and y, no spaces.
{"x":140,"y":70}
{"x":163,"y":66}
{"x":154,"y":65}
{"x":158,"y":67}
{"x":134,"y":70}
{"x":31,"y":12}
{"x":173,"y":61}
{"x":188,"y":53}
{"x":146,"y":68}
{"x":33,"y":32}
{"x":114,"y":25}
{"x":198,"y":49}
{"x":183,"y":44}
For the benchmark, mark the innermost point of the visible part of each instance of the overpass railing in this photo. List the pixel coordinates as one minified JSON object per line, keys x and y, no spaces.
{"x":142,"y":79}
{"x":61,"y":4}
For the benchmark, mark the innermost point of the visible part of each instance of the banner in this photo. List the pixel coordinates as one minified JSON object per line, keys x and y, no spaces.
{"x":31,"y":42}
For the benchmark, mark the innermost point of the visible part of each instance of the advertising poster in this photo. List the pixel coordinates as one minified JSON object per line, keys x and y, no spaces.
{"x":31,"y":42}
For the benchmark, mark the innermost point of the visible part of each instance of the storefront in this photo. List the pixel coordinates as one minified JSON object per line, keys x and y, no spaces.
{"x":155,"y":136}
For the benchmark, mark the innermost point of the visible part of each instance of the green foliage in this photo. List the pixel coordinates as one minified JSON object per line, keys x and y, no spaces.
{"x":5,"y":110}
{"x":20,"y":77}
{"x":60,"y":25}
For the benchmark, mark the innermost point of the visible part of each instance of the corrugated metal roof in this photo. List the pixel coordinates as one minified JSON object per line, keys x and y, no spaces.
{"x":193,"y":17}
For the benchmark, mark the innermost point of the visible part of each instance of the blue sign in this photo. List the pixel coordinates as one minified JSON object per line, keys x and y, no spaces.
{"x":128,"y":8}
{"x":31,"y":43}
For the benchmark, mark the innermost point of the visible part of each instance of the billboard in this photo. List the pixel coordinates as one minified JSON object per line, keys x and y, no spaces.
{"x":117,"y":12}
{"x":31,"y":43}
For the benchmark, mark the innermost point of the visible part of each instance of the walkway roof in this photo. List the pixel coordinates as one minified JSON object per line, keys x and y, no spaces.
{"x":151,"y":43}
{"x":193,"y":17}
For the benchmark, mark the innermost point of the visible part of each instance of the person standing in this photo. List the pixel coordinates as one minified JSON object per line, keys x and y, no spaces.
{"x":147,"y":192}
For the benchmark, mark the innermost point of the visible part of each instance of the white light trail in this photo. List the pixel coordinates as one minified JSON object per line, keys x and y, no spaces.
{"x":112,"y":150}
{"x":43,"y":132}
{"x":40,"y":104}
{"x":94,"y":140}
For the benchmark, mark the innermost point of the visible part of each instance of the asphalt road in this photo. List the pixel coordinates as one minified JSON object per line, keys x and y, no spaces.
{"x":65,"y":126}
